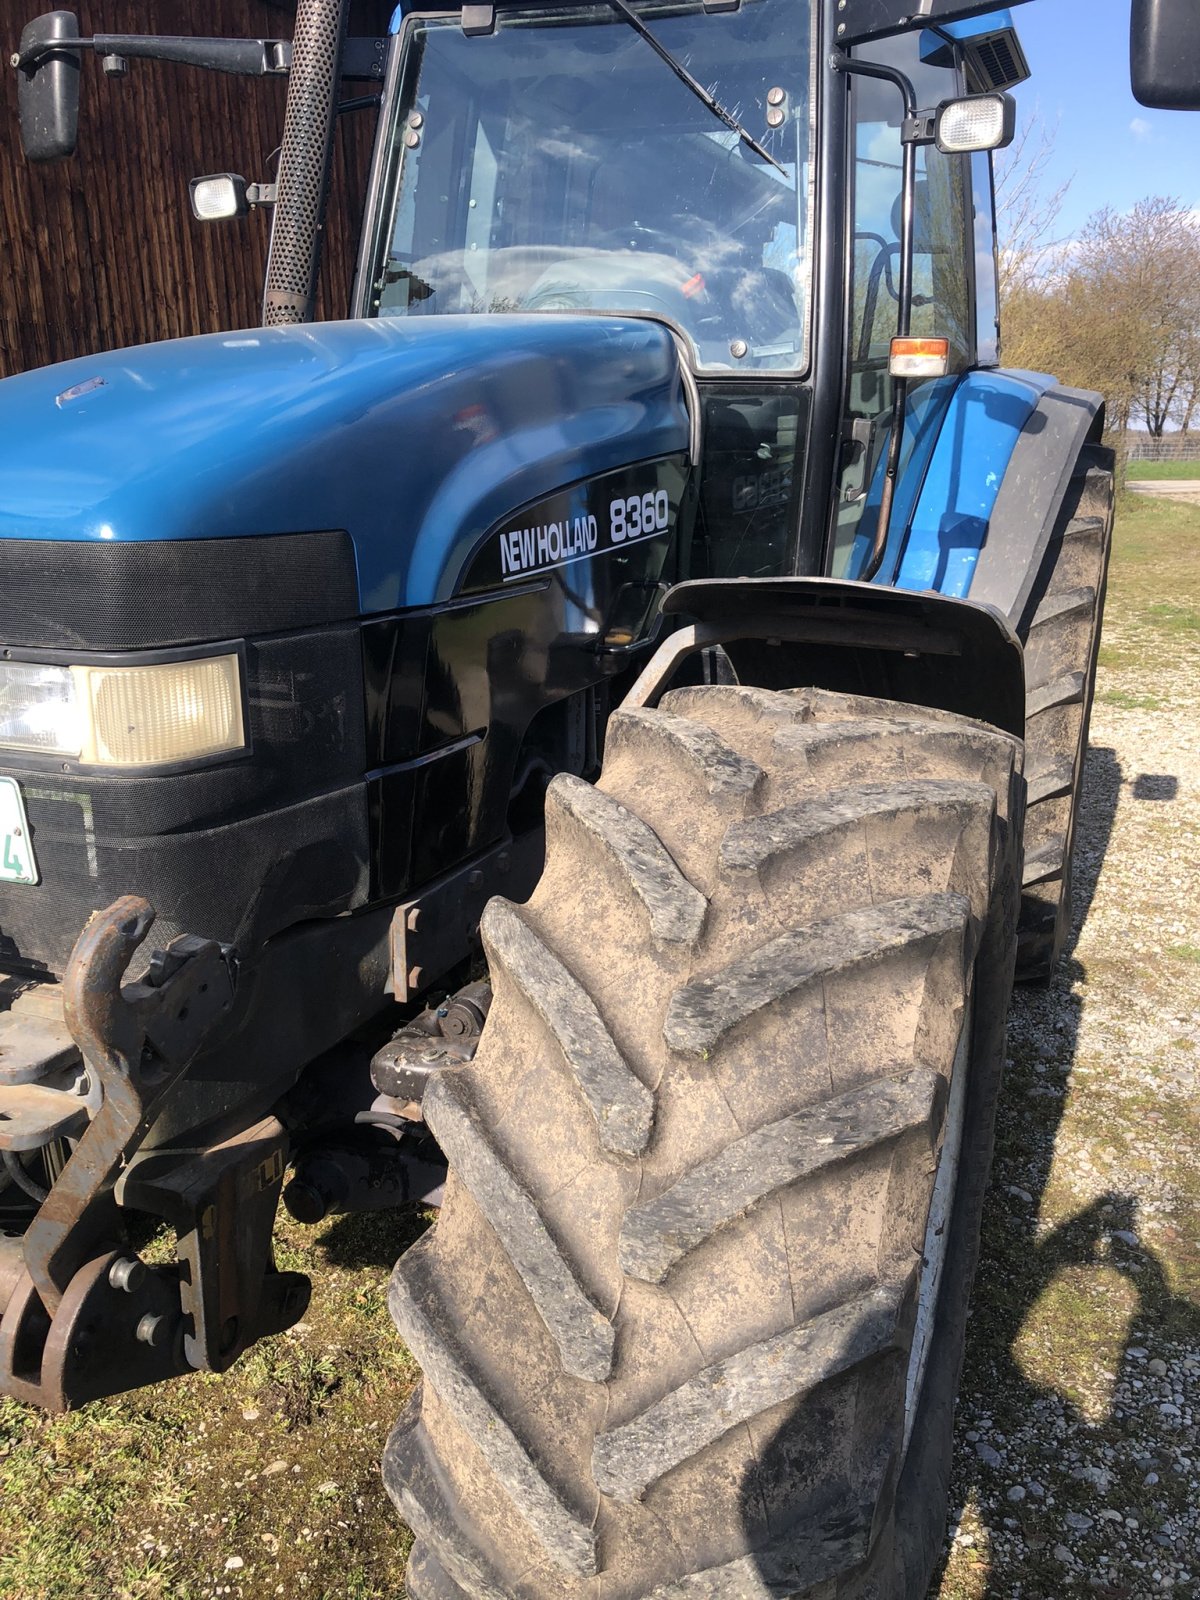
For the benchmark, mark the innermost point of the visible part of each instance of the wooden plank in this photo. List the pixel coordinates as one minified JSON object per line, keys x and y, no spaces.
{"x":102,"y":251}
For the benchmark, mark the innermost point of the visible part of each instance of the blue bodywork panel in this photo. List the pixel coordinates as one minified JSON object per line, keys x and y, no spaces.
{"x":960,"y":437}
{"x":414,"y":436}
{"x":923,"y":419}
{"x":968,"y":28}
{"x":968,"y":464}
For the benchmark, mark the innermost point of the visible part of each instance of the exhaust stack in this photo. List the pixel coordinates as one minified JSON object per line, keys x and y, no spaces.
{"x":304,"y":163}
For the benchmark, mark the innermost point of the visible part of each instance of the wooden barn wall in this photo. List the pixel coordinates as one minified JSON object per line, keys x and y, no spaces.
{"x":102,"y":250}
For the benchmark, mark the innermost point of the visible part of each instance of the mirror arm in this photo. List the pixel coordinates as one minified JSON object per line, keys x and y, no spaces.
{"x":249,"y":58}
{"x":245,"y":57}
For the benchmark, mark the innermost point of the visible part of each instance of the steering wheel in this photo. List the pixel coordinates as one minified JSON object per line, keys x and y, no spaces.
{"x":581,"y":280}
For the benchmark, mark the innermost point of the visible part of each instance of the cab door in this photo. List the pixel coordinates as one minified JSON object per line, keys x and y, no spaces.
{"x":943,"y":300}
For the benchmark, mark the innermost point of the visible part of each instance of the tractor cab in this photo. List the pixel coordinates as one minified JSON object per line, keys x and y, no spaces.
{"x":668,"y":163}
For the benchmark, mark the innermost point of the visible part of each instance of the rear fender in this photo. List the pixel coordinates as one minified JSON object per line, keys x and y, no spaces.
{"x":1031,"y":496}
{"x":856,"y":638}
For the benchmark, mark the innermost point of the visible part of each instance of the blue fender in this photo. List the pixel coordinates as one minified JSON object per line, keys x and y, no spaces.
{"x":960,"y":437}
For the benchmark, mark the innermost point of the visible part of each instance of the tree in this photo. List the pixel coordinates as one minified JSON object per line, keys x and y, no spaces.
{"x":1119,"y":311}
{"x":1027,"y":212}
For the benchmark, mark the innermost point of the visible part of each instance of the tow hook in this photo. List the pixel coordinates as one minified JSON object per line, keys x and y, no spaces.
{"x":85,"y":1316}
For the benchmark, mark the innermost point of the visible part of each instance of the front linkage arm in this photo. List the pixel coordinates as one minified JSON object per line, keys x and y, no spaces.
{"x":87,"y":1317}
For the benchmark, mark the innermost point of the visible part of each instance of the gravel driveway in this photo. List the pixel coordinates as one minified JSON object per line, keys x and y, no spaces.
{"x":1078,"y":1461}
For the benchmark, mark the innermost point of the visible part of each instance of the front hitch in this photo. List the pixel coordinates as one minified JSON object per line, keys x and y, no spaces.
{"x":85,"y":1316}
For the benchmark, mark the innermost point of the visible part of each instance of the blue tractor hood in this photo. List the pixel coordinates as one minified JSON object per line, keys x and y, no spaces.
{"x":414,"y":436}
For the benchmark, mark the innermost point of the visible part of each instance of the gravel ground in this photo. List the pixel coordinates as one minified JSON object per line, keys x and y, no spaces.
{"x":1078,"y":1457}
{"x":1185,"y":489}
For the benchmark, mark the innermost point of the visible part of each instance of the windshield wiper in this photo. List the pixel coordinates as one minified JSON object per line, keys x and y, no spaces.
{"x":685,"y":77}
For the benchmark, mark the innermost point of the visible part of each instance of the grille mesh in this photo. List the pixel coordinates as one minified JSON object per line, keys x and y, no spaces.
{"x":304,"y":163}
{"x":137,"y":595}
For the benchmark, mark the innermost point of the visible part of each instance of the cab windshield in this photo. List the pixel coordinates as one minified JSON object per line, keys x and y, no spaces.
{"x":558,"y":164}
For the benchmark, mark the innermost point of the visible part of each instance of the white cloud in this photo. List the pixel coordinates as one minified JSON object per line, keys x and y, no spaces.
{"x":1140,"y":128}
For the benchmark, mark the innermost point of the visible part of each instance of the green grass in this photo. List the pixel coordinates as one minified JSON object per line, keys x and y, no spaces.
{"x":276,"y":1464}
{"x":1130,"y":702}
{"x":1155,"y":578}
{"x":1163,"y":471}
{"x":1173,"y":618}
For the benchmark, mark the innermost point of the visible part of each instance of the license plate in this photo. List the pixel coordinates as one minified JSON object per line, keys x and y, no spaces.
{"x":17,"y":863}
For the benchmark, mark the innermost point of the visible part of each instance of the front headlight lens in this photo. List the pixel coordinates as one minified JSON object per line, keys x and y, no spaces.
{"x":124,"y":716}
{"x":39,"y":710}
{"x":177,"y":711}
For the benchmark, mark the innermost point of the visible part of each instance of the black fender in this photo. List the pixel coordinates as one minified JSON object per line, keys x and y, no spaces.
{"x":858,"y":638}
{"x":1031,"y":495}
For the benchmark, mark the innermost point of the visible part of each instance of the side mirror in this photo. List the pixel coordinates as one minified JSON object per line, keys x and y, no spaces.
{"x":1164,"y":54}
{"x":978,"y":122}
{"x":48,"y":87}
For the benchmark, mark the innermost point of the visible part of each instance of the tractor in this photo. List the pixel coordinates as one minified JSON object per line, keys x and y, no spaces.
{"x":585,"y":742}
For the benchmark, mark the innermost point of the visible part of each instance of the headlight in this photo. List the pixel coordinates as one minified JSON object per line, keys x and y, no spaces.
{"x":38,"y":709}
{"x":124,"y":716}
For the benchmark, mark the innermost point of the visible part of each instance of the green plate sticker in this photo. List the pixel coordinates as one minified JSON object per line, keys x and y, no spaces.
{"x":17,"y":863}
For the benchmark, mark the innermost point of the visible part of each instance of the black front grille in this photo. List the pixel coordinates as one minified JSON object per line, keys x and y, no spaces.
{"x":143,"y":594}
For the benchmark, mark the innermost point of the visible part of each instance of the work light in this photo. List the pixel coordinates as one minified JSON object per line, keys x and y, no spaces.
{"x":979,"y":122}
{"x":218,"y":197}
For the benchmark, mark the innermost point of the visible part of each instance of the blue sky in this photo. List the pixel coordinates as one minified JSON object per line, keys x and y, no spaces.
{"x":1114,"y":151}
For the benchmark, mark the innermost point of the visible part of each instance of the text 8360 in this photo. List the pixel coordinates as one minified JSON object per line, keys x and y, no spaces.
{"x":639,"y":515}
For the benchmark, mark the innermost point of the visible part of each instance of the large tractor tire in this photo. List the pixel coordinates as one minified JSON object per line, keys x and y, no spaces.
{"x":1062,"y":641}
{"x":692,"y":1316}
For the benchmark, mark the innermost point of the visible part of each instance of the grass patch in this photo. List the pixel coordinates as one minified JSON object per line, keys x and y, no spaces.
{"x":275,"y":1464}
{"x":1130,"y":702}
{"x":1163,"y":471}
{"x":1174,"y":619}
{"x":1113,"y":656}
{"x":1156,"y":557}
{"x":1185,"y":952}
{"x":1074,"y":1337}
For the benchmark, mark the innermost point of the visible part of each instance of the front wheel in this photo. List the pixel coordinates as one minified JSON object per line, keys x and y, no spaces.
{"x":691,"y":1319}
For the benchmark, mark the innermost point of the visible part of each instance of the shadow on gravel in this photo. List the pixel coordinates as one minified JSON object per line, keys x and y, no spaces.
{"x":1083,"y":1457}
{"x":1025,"y":1538}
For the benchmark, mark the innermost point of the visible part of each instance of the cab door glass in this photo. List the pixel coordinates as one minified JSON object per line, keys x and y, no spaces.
{"x":943,"y":271}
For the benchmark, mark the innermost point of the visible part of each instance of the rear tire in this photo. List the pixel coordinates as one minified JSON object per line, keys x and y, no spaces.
{"x":1062,"y":641}
{"x":687,"y":1327}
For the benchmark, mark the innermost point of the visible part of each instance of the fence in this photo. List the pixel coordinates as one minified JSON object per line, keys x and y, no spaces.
{"x":1171,"y":447}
